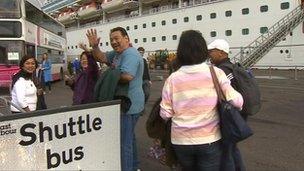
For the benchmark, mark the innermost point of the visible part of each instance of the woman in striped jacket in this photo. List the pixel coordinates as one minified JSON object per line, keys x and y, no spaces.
{"x":189,"y":98}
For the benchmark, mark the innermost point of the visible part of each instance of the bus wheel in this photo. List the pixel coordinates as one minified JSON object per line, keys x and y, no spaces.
{"x":61,"y":74}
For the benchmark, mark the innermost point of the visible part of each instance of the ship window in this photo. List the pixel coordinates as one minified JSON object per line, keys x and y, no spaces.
{"x":163,"y":38}
{"x":68,"y":47}
{"x":144,"y":39}
{"x":228,"y":13}
{"x":213,"y":34}
{"x":174,"y":21}
{"x":264,"y":8}
{"x":284,"y":5}
{"x":100,"y":44}
{"x":135,"y":27}
{"x":245,"y":11}
{"x":127,"y":28}
{"x":135,"y":40}
{"x":174,"y":37}
{"x":186,"y":19}
{"x":163,"y":22}
{"x":199,"y":17}
{"x":213,"y":15}
{"x":72,"y":47}
{"x":153,"y":24}
{"x":286,"y":51}
{"x":153,"y":39}
{"x":245,"y":31}
{"x":76,"y":47}
{"x":107,"y":43}
{"x":228,"y":32}
{"x":281,"y":51}
{"x":144,"y":25}
{"x":263,"y":30}
{"x":290,"y":34}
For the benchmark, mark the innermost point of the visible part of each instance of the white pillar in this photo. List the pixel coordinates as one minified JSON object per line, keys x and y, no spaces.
{"x":103,"y":16}
{"x":140,"y":7}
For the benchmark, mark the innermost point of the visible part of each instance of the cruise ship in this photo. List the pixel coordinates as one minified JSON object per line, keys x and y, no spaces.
{"x":261,"y":33}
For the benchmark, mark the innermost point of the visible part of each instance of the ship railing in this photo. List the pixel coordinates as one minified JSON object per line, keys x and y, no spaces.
{"x":192,"y":3}
{"x":152,"y":11}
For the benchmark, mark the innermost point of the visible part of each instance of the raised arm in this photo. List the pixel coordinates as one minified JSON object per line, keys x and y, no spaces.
{"x":94,"y":42}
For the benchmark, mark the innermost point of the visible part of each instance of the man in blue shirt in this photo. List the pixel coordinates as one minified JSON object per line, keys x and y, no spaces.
{"x":129,"y":61}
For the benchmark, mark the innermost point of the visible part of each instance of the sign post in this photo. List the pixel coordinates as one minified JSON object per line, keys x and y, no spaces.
{"x":85,"y":137}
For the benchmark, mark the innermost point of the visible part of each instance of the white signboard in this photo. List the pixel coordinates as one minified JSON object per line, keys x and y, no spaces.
{"x":85,"y":137}
{"x":13,"y":55}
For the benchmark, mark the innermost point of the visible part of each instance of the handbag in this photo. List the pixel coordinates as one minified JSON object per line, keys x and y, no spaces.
{"x":232,"y":125}
{"x":41,"y":105}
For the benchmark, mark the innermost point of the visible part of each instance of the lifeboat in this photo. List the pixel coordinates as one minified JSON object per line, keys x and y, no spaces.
{"x":149,"y":1}
{"x":87,"y":10}
{"x":66,"y":17}
{"x":118,"y":5}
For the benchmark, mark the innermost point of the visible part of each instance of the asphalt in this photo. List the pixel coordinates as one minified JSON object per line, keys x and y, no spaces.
{"x":278,"y":140}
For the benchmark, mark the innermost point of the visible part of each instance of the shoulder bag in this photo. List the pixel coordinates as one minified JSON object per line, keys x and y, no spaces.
{"x":233,"y":127}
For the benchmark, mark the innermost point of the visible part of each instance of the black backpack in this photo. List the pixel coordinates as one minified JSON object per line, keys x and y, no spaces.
{"x":248,"y":87}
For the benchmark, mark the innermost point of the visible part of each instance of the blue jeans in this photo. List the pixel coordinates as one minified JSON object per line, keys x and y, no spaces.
{"x":129,"y":158}
{"x":205,"y":157}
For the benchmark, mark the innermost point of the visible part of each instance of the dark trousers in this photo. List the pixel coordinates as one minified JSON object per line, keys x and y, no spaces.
{"x":146,"y":88}
{"x":205,"y":157}
{"x":48,"y":84}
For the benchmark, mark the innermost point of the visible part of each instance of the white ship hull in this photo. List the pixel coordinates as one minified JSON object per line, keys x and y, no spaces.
{"x":289,"y":52}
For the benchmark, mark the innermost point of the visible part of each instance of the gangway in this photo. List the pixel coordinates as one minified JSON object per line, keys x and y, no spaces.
{"x":266,"y":41}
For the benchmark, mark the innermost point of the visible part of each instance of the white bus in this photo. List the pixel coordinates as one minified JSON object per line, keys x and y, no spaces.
{"x":26,"y":29}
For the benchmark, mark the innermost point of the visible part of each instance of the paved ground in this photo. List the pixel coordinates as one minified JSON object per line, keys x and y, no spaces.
{"x":278,"y":142}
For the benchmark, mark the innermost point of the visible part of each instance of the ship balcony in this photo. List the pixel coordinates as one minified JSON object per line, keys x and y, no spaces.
{"x":118,"y":5}
{"x":86,"y":11}
{"x":66,"y":17}
{"x":149,"y":1}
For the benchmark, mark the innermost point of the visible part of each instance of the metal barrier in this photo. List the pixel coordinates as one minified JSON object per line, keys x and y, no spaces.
{"x":296,"y":69}
{"x":5,"y":103}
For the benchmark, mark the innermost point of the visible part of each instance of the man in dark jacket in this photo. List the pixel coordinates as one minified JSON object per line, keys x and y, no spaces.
{"x":146,"y":76}
{"x":218,"y":53}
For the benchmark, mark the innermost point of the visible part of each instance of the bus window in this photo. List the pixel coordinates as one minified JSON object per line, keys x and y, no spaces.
{"x":10,"y":9}
{"x":11,"y":52}
{"x":10,"y":29}
{"x":3,"y":55}
{"x":30,"y":50}
{"x":38,"y":17}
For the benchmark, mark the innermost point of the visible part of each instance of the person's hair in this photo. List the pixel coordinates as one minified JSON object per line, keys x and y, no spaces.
{"x":192,"y":48}
{"x":140,"y":49}
{"x":84,"y":53}
{"x":121,"y":30}
{"x":25,"y":58}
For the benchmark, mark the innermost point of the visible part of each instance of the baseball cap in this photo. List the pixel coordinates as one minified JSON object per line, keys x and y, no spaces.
{"x":219,"y":44}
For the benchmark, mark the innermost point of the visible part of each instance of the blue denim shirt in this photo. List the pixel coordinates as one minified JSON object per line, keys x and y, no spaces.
{"x":130,"y":61}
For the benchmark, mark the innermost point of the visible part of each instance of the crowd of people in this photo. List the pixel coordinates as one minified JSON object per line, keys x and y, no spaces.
{"x":189,"y":99}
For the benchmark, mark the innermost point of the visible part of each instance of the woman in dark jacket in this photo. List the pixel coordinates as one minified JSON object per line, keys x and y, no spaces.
{"x":84,"y":83}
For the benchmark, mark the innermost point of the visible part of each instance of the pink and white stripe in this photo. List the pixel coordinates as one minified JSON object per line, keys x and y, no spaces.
{"x":190,"y":99}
